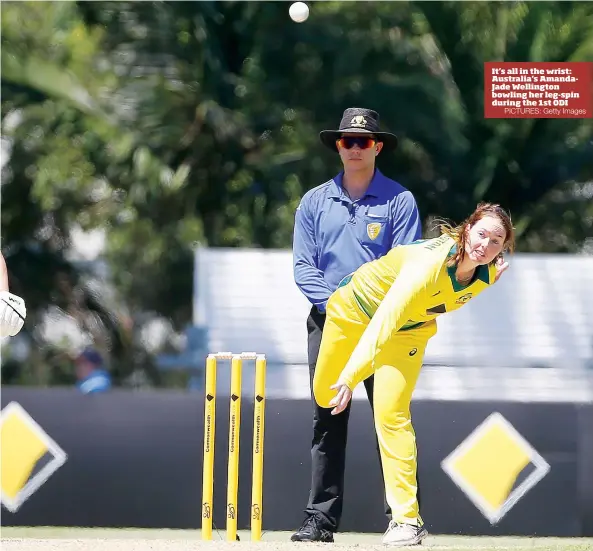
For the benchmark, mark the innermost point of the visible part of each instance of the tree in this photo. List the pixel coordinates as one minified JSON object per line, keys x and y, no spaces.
{"x":523,"y":164}
{"x":171,"y":124}
{"x":49,"y":183}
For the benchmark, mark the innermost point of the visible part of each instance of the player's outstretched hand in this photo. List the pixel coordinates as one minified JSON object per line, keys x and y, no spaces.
{"x":501,"y":266}
{"x":12,"y":314}
{"x":340,"y":401}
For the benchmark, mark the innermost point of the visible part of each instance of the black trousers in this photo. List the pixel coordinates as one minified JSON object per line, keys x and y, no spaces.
{"x":328,"y":449}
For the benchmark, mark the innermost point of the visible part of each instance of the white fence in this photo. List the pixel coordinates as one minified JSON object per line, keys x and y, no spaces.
{"x":538,"y":315}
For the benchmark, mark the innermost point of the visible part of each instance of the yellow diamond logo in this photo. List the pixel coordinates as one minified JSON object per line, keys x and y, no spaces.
{"x":495,"y":467}
{"x":28,"y":456}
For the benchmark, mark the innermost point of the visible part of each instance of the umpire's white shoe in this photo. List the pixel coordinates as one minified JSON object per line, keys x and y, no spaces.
{"x":400,"y":535}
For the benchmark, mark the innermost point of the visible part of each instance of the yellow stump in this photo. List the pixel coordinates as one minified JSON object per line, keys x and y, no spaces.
{"x":258,"y":448}
{"x":233,"y":459}
{"x":209,"y":435}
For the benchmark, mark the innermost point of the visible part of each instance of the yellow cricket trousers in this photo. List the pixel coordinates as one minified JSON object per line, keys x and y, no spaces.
{"x":396,"y":370}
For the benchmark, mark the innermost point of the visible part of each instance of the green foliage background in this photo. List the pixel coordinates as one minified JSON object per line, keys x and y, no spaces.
{"x":171,"y":124}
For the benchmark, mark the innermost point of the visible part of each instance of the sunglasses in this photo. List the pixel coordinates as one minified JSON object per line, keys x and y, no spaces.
{"x":348,"y":142}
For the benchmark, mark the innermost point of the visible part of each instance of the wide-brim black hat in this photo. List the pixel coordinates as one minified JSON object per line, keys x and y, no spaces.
{"x":357,"y":120}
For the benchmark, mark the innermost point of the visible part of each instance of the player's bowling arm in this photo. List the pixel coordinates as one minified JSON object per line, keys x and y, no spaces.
{"x":394,"y":311}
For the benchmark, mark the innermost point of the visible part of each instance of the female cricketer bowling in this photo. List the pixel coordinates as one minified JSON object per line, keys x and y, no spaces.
{"x":379,"y":321}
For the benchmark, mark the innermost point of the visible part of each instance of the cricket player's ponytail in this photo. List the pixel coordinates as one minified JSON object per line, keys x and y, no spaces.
{"x":459,"y":233}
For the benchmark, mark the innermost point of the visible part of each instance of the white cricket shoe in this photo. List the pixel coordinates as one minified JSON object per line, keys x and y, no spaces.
{"x":400,"y":535}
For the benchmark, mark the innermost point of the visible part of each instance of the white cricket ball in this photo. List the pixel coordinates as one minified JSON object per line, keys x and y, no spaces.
{"x":299,"y":12}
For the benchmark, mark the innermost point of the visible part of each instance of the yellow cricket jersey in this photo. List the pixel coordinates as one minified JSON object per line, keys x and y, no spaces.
{"x":404,"y":289}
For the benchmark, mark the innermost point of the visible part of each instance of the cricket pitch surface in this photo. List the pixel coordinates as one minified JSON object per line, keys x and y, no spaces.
{"x":92,"y":539}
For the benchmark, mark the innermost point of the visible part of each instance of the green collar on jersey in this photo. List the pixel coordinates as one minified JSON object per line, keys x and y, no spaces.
{"x":480,"y":273}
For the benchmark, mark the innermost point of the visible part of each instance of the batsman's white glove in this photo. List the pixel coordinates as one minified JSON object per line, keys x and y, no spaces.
{"x":12,"y":314}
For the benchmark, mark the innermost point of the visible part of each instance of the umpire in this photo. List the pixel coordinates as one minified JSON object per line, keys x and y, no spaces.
{"x":357,"y":216}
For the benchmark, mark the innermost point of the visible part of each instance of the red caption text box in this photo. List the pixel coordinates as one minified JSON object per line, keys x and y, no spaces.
{"x":538,"y":90}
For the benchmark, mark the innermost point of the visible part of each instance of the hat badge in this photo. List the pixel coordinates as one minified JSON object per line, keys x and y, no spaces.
{"x":358,"y":121}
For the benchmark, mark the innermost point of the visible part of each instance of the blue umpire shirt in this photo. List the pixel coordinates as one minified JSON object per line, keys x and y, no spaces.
{"x":333,"y":235}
